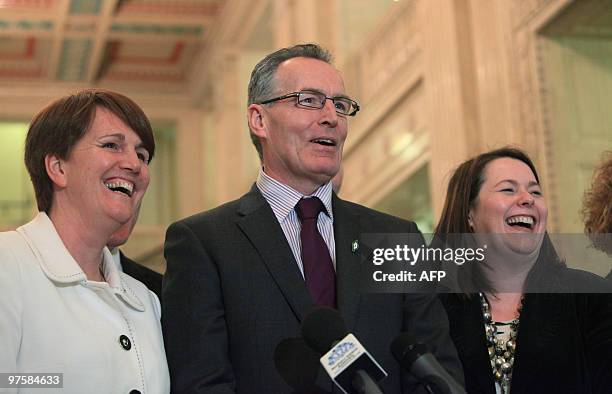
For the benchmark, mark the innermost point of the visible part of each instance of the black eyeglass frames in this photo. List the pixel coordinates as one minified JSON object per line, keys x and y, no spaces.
{"x":311,"y":99}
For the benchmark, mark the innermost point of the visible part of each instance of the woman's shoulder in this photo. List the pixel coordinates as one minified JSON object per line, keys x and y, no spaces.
{"x":15,"y":253}
{"x":580,"y":281}
{"x":559,"y":278}
{"x":10,"y":241}
{"x":20,"y":248}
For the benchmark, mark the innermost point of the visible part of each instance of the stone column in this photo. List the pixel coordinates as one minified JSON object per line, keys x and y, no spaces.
{"x":190,"y":180}
{"x":228,"y":125}
{"x":495,"y":95}
{"x":450,"y":90}
{"x":296,"y":21}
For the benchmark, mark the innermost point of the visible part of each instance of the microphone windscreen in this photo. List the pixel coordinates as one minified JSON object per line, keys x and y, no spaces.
{"x":297,"y":363}
{"x":322,"y":327}
{"x":406,"y":350}
{"x":416,"y":358}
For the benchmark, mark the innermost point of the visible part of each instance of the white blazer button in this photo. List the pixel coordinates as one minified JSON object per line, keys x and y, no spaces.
{"x":125,"y":342}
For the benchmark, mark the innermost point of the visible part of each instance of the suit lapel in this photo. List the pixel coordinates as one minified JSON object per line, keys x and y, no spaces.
{"x":346,"y":230}
{"x":540,"y":327}
{"x":262,"y":229}
{"x":472,"y":342}
{"x":276,"y":254}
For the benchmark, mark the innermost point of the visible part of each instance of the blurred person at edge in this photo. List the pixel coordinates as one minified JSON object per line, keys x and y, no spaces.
{"x":65,"y":307}
{"x":597,"y":207}
{"x":518,"y":327}
{"x":150,"y":278}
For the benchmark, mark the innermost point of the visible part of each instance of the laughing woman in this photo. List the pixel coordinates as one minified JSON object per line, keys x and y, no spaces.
{"x":64,"y":306}
{"x":523,"y":322}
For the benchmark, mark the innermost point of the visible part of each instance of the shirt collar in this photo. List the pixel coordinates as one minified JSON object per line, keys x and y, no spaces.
{"x":283,"y":198}
{"x":116,"y":254}
{"x":59,"y":265}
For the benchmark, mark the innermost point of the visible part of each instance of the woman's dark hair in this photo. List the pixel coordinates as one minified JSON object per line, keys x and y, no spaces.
{"x":57,"y":128}
{"x":464,"y":186}
{"x":462,"y":193}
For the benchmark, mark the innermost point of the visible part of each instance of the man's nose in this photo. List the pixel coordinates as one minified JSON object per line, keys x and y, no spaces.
{"x":330,"y":116}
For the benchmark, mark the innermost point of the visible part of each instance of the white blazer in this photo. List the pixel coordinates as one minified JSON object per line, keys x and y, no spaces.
{"x":105,"y":337}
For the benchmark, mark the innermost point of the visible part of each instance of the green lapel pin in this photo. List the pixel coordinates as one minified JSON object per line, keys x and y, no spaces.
{"x":354,"y":246}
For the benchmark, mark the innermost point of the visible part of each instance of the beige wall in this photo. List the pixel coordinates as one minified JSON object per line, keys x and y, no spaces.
{"x":17,"y":203}
{"x":578,"y":79}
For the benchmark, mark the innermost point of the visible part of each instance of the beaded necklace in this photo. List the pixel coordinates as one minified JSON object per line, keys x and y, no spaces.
{"x":501,"y":353}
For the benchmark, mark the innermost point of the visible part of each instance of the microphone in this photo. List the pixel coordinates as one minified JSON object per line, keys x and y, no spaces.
{"x":344,"y":359}
{"x":415,"y":358}
{"x":298,"y":365}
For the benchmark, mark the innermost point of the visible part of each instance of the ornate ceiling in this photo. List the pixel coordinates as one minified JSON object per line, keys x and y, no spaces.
{"x":148,"y":43}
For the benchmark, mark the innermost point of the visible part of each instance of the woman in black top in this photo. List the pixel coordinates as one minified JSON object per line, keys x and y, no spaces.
{"x":521,"y":320}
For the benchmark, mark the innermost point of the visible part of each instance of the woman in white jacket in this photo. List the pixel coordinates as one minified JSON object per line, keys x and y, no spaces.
{"x":64,"y":306}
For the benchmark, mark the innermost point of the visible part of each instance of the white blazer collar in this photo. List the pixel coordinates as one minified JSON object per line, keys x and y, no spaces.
{"x":59,"y":265}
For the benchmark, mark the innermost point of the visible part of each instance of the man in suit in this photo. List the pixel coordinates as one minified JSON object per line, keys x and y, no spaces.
{"x":238,"y":282}
{"x":150,"y":278}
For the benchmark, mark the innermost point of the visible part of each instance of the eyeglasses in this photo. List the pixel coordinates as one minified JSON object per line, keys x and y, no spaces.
{"x":310,"y":99}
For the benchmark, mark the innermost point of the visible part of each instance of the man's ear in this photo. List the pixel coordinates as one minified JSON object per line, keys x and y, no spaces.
{"x":55,"y":170}
{"x":257,"y":120}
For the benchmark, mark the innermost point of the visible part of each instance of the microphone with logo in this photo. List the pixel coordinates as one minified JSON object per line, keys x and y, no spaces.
{"x":344,"y":359}
{"x":298,"y":365}
{"x":415,"y":358}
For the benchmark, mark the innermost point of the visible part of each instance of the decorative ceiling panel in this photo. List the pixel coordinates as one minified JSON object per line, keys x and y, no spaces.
{"x":157,"y":29}
{"x":85,"y":7}
{"x":149,"y":42}
{"x":169,"y":7}
{"x":23,"y":58}
{"x":74,"y":59}
{"x":29,"y":5}
{"x":149,"y":62}
{"x":24,"y":26}
{"x":147,"y":53}
{"x":17,"y":49}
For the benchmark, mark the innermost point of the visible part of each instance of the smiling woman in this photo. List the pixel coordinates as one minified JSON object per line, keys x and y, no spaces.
{"x":521,"y":322}
{"x":110,"y":164}
{"x":87,"y":155}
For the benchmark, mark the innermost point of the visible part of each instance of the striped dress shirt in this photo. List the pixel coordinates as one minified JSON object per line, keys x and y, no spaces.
{"x":283,"y":200}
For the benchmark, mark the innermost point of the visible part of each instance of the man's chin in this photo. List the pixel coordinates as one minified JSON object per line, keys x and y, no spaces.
{"x":324,"y":171}
{"x":322,"y":179}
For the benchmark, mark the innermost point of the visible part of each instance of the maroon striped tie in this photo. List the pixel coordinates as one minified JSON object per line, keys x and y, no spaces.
{"x":318,"y":267}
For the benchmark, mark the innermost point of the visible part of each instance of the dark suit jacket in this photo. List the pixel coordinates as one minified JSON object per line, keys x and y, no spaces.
{"x":232,"y":291}
{"x":564,"y":342}
{"x":150,"y":278}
